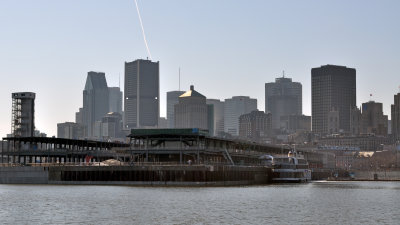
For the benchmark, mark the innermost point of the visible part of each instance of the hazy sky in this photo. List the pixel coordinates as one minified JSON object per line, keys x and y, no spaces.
{"x":224,"y":48}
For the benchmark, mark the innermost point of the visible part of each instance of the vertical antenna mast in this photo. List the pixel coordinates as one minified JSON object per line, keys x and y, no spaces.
{"x":179,"y":78}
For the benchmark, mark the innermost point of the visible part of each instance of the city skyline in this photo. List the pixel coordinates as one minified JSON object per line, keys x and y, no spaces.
{"x":256,"y":56}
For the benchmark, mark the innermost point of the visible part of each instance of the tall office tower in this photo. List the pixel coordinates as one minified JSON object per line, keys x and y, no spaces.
{"x":192,"y":110}
{"x":23,"y":114}
{"x":142,"y":94}
{"x":218,"y":116}
{"x":235,"y":107}
{"x":395,"y":108}
{"x":95,"y":101}
{"x":283,"y":98}
{"x":333,"y":89}
{"x":172,"y":100}
{"x":355,"y":121}
{"x":373,"y":120}
{"x":255,"y":126}
{"x":115,"y":100}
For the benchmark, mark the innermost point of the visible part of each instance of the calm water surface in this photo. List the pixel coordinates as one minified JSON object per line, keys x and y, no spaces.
{"x":313,"y":203}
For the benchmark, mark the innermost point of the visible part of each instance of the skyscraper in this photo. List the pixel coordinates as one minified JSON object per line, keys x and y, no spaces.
{"x":192,"y":110}
{"x":142,"y":94}
{"x":95,"y":101}
{"x":373,"y":120}
{"x":283,"y":98}
{"x":172,"y":100}
{"x":235,"y":107}
{"x":395,"y":109}
{"x":333,"y":89}
{"x":115,"y":100}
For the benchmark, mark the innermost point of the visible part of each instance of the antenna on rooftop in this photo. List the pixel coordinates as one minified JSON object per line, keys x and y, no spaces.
{"x":179,"y":78}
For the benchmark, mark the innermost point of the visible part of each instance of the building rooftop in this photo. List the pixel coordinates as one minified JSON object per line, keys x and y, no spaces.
{"x":192,"y":93}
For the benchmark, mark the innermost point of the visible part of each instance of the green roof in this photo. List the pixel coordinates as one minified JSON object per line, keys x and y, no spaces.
{"x":184,"y":131}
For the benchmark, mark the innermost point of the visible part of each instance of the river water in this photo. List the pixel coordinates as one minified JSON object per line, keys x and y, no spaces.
{"x":312,"y":203}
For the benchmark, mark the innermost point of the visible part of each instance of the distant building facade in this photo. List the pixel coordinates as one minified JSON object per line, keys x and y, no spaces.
{"x":283,"y":98}
{"x":162,"y":122}
{"x":296,"y":123}
{"x":235,"y":107}
{"x":218,"y":116}
{"x":363,"y":142}
{"x":109,"y":127}
{"x":333,"y":89}
{"x":70,"y":130}
{"x":255,"y":126}
{"x":95,"y":101}
{"x":115,"y":100}
{"x":172,"y":100}
{"x":191,"y":111}
{"x":142,"y":94}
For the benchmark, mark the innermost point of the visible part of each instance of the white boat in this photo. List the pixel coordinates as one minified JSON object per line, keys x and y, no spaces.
{"x":288,"y":169}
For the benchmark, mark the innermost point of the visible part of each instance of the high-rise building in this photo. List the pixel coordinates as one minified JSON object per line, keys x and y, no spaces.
{"x":142,"y":94}
{"x":70,"y":130}
{"x":355,"y":121}
{"x":172,"y":100}
{"x":235,"y":107}
{"x":191,"y":111}
{"x":23,"y":114}
{"x":218,"y":116}
{"x":95,"y":101}
{"x":255,"y":126}
{"x":395,"y":109}
{"x":283,"y":98}
{"x":333,"y":89}
{"x":373,"y":120}
{"x":115,"y":100}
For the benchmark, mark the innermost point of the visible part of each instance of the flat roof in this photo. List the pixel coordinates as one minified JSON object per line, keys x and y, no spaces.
{"x":83,"y":143}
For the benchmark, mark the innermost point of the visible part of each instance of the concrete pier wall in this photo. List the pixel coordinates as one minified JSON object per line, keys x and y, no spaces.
{"x":154,"y":175}
{"x":24,"y":175}
{"x":377,"y":175}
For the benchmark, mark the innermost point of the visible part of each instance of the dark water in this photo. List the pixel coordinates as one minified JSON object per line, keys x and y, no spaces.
{"x":313,"y":203}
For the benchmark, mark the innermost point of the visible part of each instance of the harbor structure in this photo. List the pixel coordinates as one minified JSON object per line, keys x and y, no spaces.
{"x":283,"y":98}
{"x":141,"y":94}
{"x":235,"y":107}
{"x":333,"y":89}
{"x":23,"y":114}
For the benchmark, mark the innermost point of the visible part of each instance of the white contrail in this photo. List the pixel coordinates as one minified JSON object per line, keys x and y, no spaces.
{"x":144,"y":35}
